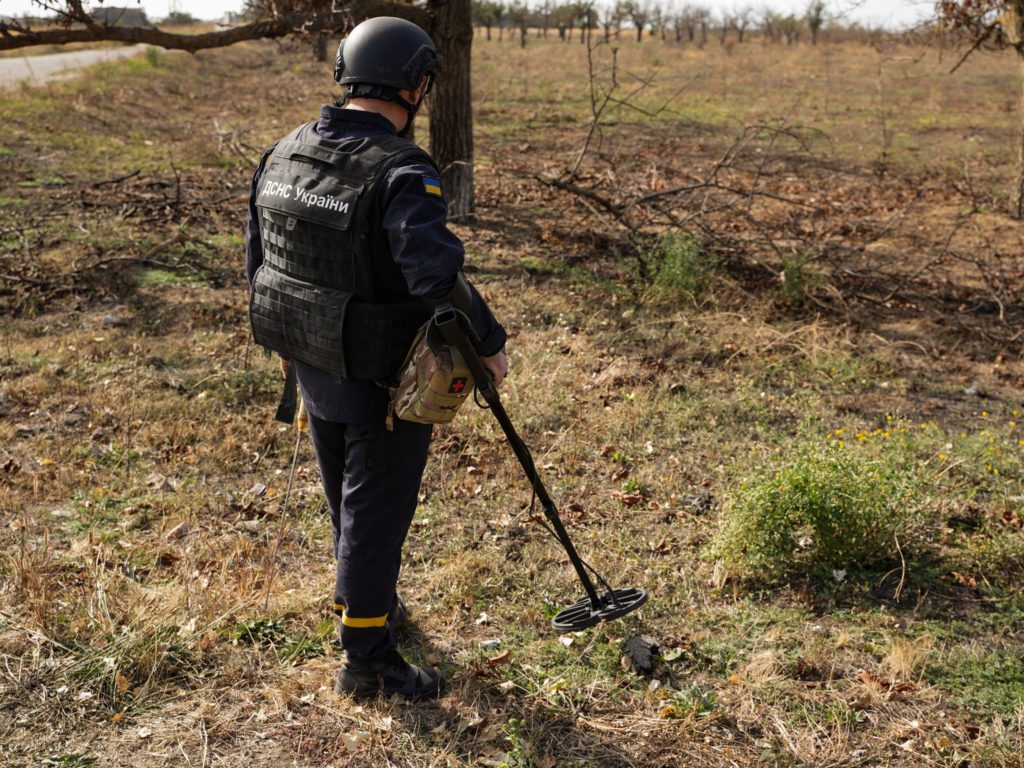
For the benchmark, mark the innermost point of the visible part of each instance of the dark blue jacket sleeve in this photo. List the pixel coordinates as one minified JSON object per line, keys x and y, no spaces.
{"x":253,"y":243}
{"x":429,"y":254}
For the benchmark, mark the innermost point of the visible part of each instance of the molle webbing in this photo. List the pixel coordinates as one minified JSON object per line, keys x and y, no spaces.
{"x":326,"y":328}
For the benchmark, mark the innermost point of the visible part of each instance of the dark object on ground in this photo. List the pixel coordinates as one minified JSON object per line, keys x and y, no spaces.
{"x":455,"y":328}
{"x":388,"y":673}
{"x":700,"y":503}
{"x":641,"y":652}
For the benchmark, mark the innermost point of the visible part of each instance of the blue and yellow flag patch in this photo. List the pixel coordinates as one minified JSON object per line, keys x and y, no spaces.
{"x":432,"y":185}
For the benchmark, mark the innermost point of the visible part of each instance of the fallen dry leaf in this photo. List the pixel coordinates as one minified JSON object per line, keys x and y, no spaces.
{"x":499,"y":659}
{"x":177,"y":532}
{"x":897,"y":686}
{"x":963,"y":579}
{"x":355,"y":740}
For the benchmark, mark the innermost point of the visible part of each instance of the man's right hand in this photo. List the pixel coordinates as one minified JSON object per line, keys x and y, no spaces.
{"x":497,"y":366}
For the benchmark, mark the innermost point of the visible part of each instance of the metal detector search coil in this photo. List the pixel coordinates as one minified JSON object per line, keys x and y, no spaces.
{"x":589,"y":610}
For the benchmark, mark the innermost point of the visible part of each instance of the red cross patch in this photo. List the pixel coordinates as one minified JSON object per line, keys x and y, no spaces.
{"x":458,"y":384}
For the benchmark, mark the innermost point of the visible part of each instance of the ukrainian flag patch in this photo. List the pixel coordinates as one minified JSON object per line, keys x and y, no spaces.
{"x":432,"y":185}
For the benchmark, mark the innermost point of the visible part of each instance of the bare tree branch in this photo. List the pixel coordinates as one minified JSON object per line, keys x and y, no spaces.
{"x":16,"y":36}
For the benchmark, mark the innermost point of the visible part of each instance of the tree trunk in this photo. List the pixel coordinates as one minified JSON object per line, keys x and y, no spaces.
{"x":1018,"y":201}
{"x":451,"y":111}
{"x":320,"y":46}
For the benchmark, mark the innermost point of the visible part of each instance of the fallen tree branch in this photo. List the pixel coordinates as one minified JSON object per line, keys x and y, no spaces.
{"x":118,"y":180}
{"x":140,"y":260}
{"x":23,"y":279}
{"x":13,"y":36}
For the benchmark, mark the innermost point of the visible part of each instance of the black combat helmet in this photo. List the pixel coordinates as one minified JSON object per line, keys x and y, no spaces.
{"x":383,"y":56}
{"x":388,"y":52}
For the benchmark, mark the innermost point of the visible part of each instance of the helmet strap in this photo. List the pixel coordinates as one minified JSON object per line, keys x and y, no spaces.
{"x":410,"y":109}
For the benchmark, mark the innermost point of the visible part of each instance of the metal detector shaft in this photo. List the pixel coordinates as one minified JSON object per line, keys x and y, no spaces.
{"x":448,"y":323}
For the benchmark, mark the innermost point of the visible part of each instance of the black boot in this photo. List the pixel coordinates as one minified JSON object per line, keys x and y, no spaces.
{"x":399,"y":614}
{"x":387,"y":673}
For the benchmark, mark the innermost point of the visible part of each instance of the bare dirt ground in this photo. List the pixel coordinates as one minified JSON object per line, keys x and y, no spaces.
{"x":844,"y":281}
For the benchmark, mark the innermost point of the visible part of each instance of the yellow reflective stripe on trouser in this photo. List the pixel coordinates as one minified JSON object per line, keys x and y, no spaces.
{"x":376,"y":621}
{"x":339,"y":608}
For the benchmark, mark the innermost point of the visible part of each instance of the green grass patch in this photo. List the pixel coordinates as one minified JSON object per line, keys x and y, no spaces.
{"x":985,"y":682}
{"x":865,"y":497}
{"x":261,"y":631}
{"x":679,"y":268}
{"x":268,"y":632}
{"x":821,"y":509}
{"x":162,"y":278}
{"x":124,"y":666}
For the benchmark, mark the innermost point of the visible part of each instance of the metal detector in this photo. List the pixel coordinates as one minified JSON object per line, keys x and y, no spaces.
{"x":457,"y":330}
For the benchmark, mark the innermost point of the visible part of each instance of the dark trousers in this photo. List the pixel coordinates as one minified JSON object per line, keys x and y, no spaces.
{"x":372,"y":481}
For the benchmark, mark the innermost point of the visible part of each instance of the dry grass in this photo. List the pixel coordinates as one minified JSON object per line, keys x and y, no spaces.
{"x":133,"y":402}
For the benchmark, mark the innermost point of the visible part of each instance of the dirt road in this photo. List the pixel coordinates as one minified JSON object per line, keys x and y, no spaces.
{"x":39,"y":69}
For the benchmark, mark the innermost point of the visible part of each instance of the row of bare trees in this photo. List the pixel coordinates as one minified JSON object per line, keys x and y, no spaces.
{"x":687,"y":22}
{"x":976,"y":24}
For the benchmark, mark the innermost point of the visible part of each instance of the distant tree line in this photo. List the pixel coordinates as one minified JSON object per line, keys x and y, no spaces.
{"x":667,"y":21}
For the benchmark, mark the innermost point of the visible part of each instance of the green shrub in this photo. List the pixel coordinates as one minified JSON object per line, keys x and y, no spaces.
{"x":826,"y":510}
{"x":678,"y":268}
{"x":796,"y":279}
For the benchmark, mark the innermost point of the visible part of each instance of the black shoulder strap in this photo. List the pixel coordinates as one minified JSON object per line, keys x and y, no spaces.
{"x":378,"y":155}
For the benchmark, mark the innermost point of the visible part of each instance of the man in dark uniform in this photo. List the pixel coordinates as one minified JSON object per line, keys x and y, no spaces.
{"x":347,"y":253}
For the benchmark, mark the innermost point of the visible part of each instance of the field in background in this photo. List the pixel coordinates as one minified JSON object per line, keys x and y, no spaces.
{"x":160,"y":606}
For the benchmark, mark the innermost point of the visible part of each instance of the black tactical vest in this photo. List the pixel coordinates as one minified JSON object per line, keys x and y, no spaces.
{"x":328,"y":292}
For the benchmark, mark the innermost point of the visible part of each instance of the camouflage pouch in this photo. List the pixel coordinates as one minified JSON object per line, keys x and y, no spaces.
{"x":431,"y":386}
